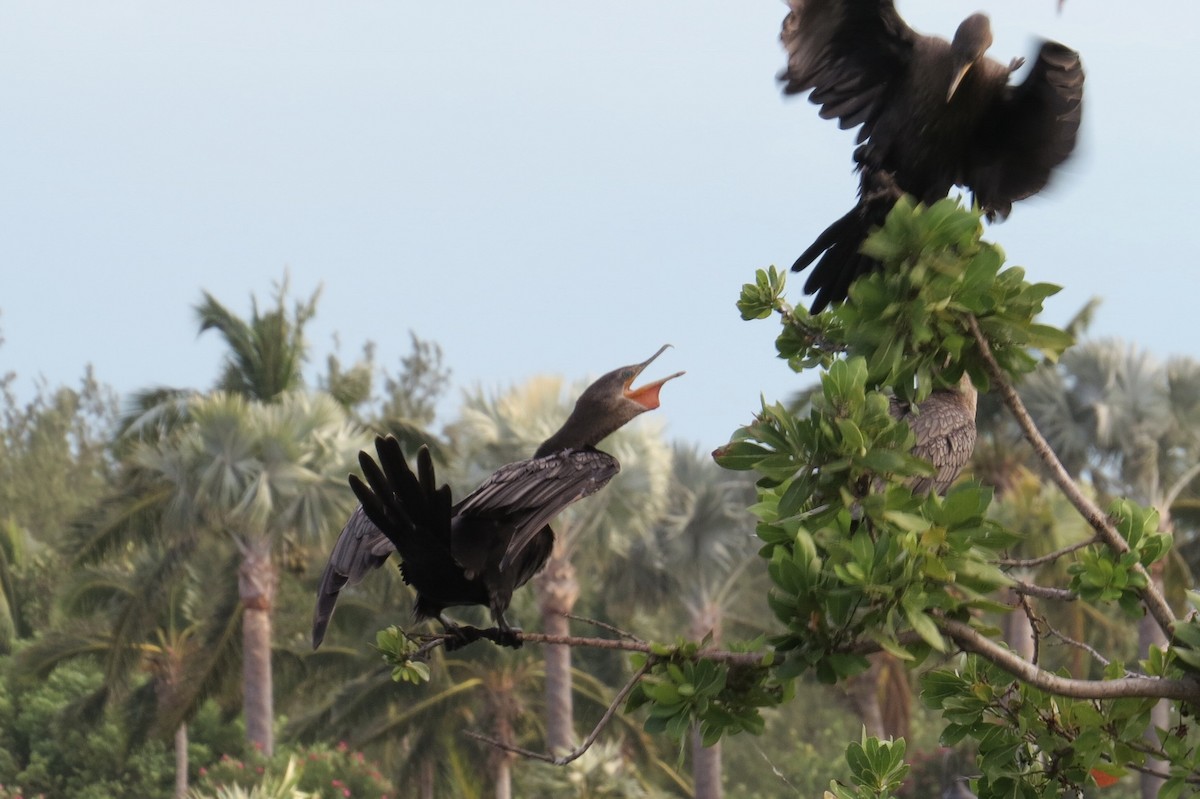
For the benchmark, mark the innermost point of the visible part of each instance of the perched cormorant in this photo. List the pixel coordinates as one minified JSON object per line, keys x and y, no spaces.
{"x":480,"y":550}
{"x":944,"y":427}
{"x":934,"y":114}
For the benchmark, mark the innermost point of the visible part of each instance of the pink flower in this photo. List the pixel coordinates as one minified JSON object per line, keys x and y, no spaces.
{"x":346,"y":792}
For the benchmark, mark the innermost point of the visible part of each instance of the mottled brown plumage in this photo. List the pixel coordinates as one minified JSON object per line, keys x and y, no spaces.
{"x":944,"y":426}
{"x":933,"y":114}
{"x":479,"y":551}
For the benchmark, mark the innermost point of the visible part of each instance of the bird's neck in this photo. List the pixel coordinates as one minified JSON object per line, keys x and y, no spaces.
{"x":581,"y":431}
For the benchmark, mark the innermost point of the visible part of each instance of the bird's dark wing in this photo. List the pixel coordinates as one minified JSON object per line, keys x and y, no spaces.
{"x":360,"y":548}
{"x":944,"y":427}
{"x":848,"y":52}
{"x":409,"y":509}
{"x":528,"y":494}
{"x":1027,"y":132}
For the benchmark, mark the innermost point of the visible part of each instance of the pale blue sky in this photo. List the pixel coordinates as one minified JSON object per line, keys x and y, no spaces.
{"x":537,"y":186}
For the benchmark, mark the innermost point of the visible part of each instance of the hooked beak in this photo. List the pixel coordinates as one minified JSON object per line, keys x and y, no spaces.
{"x":647,"y":395}
{"x":958,"y":76}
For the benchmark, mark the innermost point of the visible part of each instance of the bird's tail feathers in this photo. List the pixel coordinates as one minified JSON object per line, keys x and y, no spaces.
{"x":838,"y":250}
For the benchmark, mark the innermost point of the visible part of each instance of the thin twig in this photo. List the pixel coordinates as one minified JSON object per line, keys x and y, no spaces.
{"x":605,"y":626}
{"x":1043,"y":592}
{"x":1097,"y":519}
{"x":578,"y":751}
{"x":1029,"y":563}
{"x":1069,"y":641}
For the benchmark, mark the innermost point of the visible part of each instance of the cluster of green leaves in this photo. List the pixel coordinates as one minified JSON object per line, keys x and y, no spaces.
{"x":722,"y":698}
{"x":48,"y":751}
{"x":877,"y":770}
{"x":858,"y":563}
{"x":398,"y":651}
{"x":1032,"y":744}
{"x":852,"y":552}
{"x":907,"y":319}
{"x":1102,"y":575}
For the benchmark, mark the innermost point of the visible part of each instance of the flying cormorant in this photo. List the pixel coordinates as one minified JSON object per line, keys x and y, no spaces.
{"x":934,"y":114}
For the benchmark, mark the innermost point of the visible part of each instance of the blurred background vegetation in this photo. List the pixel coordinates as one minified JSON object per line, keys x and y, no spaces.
{"x":153,"y":548}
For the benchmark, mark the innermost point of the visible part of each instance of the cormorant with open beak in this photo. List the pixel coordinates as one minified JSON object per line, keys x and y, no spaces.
{"x":480,"y":550}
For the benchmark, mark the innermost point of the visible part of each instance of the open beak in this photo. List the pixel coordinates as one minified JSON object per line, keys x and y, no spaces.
{"x":958,"y":76}
{"x":647,"y":395}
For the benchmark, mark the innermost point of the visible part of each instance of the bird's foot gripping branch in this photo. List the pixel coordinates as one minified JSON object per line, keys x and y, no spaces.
{"x":870,"y":550}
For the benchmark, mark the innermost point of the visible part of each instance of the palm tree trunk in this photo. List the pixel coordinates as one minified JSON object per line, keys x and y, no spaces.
{"x":862,"y":692}
{"x":558,"y":590}
{"x":1018,"y":629}
{"x":427,"y":776}
{"x":503,"y":709}
{"x":257,"y":581}
{"x":181,"y":762}
{"x":504,"y":779}
{"x":706,"y":760}
{"x":706,"y":767}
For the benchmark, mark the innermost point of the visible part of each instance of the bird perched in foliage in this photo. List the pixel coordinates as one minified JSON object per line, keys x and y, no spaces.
{"x":478,"y":551}
{"x":944,"y":428}
{"x":933,"y":114}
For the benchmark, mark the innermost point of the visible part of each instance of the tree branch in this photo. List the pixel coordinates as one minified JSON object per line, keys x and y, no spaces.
{"x":1029,"y":563}
{"x":1043,"y":592}
{"x":430,"y":642}
{"x":1097,"y":519}
{"x":605,"y":626}
{"x":974,"y":641}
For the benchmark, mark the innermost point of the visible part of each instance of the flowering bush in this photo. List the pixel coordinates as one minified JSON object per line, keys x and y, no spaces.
{"x":328,"y":772}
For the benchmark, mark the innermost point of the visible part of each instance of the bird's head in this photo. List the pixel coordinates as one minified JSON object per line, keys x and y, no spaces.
{"x":971,"y":41}
{"x":607,"y":404}
{"x":615,"y":389}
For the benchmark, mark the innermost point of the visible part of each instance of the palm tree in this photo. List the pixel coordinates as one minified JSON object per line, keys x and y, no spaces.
{"x":242,"y":473}
{"x":494,"y":430}
{"x":256,"y":462}
{"x":267,"y":351}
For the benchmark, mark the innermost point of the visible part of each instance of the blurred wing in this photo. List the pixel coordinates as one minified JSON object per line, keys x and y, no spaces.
{"x":1028,"y":132}
{"x":360,"y":548}
{"x":848,"y":53}
{"x":528,"y":494}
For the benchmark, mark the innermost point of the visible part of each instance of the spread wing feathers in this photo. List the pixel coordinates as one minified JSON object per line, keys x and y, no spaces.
{"x":360,"y":548}
{"x":1028,"y":132}
{"x":407,"y":508}
{"x":847,"y":53}
{"x":529,"y":493}
{"x":944,"y":426}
